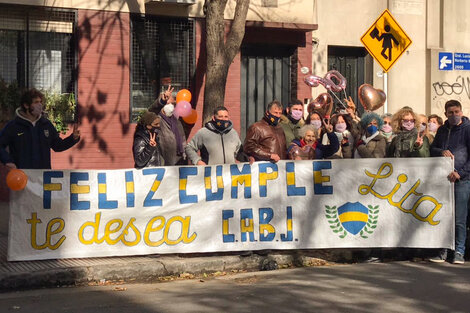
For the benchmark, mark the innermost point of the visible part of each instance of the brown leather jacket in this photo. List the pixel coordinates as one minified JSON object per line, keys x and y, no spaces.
{"x":262,"y":140}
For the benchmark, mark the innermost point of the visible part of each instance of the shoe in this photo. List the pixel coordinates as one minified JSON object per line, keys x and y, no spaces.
{"x":458,"y":258}
{"x":440,"y":258}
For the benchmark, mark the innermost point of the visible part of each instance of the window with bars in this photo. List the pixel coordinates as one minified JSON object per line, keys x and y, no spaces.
{"x":37,"y":48}
{"x":162,"y":53}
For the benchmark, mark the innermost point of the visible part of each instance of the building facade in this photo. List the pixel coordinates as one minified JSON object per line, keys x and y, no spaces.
{"x":116,"y":56}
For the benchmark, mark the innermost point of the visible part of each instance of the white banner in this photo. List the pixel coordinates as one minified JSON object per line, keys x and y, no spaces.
{"x":233,"y":207}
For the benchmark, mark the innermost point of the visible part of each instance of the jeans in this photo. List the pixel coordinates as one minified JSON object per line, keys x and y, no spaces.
{"x":462,"y":195}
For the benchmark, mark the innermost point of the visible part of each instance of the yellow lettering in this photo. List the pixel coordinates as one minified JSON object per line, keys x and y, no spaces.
{"x":149,"y":228}
{"x":126,"y":232}
{"x":95,"y":225}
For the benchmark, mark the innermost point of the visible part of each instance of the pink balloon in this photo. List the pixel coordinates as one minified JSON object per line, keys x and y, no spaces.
{"x":183,"y":109}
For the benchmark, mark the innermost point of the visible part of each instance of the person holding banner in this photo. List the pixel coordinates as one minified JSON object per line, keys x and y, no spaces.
{"x":146,"y":147}
{"x":30,"y":136}
{"x":308,"y":146}
{"x":453,"y":140}
{"x":408,"y":142}
{"x":217,"y":141}
{"x":265,"y":139}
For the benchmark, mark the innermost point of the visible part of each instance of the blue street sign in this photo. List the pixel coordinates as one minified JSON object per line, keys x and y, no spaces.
{"x":462,"y":61}
{"x":445,"y":61}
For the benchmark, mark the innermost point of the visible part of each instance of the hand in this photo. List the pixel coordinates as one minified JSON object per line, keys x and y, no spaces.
{"x":328,"y":126}
{"x":251,"y":160}
{"x":345,"y":140}
{"x":448,"y":154}
{"x":11,"y":165}
{"x":167,"y":94}
{"x":360,"y":142}
{"x":453,"y":177}
{"x":274,"y":157}
{"x":153,"y":141}
{"x":419,"y":140}
{"x":351,"y":109}
{"x":75,"y":131}
{"x":201,"y":162}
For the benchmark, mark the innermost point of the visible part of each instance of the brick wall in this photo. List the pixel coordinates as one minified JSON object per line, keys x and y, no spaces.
{"x":103,"y":94}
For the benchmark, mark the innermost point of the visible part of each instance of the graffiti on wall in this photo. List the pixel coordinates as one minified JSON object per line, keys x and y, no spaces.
{"x":459,"y":89}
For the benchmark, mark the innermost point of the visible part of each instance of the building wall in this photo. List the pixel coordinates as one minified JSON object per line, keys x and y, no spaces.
{"x":415,"y":79}
{"x":287,"y":11}
{"x":104,"y":75}
{"x":452,"y":31}
{"x":103,"y":94}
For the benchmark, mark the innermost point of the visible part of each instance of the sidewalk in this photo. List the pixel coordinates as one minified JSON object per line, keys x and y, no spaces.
{"x":50,"y":273}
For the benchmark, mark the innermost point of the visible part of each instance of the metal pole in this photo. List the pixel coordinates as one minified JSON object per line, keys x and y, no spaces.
{"x":386,"y":92}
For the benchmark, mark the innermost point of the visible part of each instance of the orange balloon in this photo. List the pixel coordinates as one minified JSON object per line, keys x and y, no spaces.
{"x":183,"y":95}
{"x":16,"y":179}
{"x":191,"y":118}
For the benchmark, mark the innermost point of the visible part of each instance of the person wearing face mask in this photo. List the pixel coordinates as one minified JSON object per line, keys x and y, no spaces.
{"x":171,"y":135}
{"x":408,"y":142}
{"x":452,"y":141}
{"x":346,"y":132}
{"x":434,"y":122}
{"x":265,"y":139}
{"x":315,"y":119}
{"x":387,"y":130}
{"x":308,"y":146}
{"x":292,"y":121}
{"x":30,"y":136}
{"x":372,"y":144}
{"x":217,"y":141}
{"x":146,"y":148}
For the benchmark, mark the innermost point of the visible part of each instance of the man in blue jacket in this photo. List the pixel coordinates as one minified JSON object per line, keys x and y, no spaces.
{"x":27,"y":140}
{"x":453,"y":140}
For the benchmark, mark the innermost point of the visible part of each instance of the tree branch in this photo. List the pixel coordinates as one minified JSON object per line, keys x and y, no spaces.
{"x":237,"y":31}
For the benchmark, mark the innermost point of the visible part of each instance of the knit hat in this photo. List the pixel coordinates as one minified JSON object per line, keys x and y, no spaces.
{"x":147,"y":118}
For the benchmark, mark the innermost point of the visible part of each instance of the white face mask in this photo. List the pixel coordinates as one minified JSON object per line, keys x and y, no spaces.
{"x":168,"y":109}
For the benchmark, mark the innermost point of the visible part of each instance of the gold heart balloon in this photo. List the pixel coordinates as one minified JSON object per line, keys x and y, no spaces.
{"x":322,"y":104}
{"x":371,"y":98}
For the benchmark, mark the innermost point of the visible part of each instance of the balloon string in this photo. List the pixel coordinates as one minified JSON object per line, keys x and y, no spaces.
{"x":344,"y":106}
{"x":345,"y":95}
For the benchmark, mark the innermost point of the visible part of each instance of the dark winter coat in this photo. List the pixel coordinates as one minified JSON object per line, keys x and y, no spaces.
{"x":29,"y":146}
{"x":457,"y":140}
{"x":403,"y":145}
{"x":145,"y":155}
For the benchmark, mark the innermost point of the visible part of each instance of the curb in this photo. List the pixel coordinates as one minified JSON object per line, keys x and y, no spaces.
{"x":150,"y":270}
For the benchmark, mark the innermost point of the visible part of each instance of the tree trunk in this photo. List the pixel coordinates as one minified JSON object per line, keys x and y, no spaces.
{"x":220,"y":52}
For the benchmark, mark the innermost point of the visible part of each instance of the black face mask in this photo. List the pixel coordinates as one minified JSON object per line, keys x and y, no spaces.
{"x":271,"y":119}
{"x":221,"y":125}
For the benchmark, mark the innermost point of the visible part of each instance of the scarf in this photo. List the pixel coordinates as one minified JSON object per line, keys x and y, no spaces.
{"x":173,"y":122}
{"x":366,"y":141}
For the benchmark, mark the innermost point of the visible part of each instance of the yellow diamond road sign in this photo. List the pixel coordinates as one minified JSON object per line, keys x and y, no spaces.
{"x":386,"y":40}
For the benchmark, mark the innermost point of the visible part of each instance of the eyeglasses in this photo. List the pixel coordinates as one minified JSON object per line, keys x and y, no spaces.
{"x":387,"y":123}
{"x":406,"y":121}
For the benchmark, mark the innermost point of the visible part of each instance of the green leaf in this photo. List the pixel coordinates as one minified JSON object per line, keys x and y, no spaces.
{"x":329,"y":216}
{"x":373,"y":226}
{"x":336,"y":231}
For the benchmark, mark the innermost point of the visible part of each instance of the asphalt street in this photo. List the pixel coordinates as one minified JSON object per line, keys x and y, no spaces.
{"x":380,"y":287}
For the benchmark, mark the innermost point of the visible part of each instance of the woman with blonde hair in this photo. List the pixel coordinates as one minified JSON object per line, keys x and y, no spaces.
{"x":408,"y":142}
